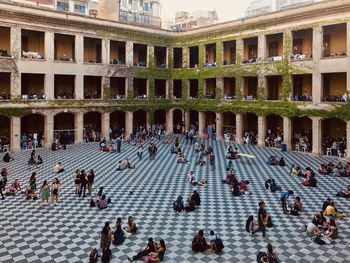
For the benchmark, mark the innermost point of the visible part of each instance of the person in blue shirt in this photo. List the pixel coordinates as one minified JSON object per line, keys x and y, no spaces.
{"x":284,"y":200}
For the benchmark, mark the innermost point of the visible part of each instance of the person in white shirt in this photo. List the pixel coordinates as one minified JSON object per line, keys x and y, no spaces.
{"x":58,"y":168}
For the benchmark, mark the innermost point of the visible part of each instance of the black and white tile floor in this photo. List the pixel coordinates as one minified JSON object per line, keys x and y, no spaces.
{"x":67,"y":232}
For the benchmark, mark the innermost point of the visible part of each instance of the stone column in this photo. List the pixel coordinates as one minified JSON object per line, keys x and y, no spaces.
{"x":105,"y":51}
{"x":187,"y":120}
{"x":261,"y":47}
{"x":49,"y":84}
{"x":348,"y":139}
{"x":169,"y":121}
{"x":49,"y":46}
{"x":239,"y":128}
{"x":129,"y":56}
{"x":261,"y":130}
{"x":185,"y":57}
{"x":78,"y":125}
{"x":79,"y":86}
{"x":317,"y":44}
{"x":79,"y":49}
{"x":49,"y":127}
{"x":316,"y":135}
{"x":201,"y":123}
{"x":219,"y":88}
{"x":150,"y":56}
{"x":15,"y":140}
{"x":287,"y":132}
{"x":15,"y":42}
{"x":148,"y":118}
{"x":239,"y":50}
{"x":105,"y":125}
{"x":219,"y":128}
{"x":129,"y":119}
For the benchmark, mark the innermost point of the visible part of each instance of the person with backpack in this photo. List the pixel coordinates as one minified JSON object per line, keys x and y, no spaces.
{"x":216,"y":244}
{"x":267,"y":257}
{"x":199,"y":243}
{"x":107,"y":255}
{"x":178,"y":204}
{"x":93,"y":257}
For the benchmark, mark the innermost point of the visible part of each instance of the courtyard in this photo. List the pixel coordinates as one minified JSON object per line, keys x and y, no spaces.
{"x":68,"y":231}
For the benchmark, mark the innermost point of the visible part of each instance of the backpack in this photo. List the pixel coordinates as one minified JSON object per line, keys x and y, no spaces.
{"x":319,"y":240}
{"x":259,"y":256}
{"x":93,"y":256}
{"x":92,"y":203}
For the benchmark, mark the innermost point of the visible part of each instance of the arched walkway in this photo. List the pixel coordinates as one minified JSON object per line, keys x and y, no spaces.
{"x":333,"y":135}
{"x":160,"y":117}
{"x":32,"y":131}
{"x":194,"y":120}
{"x":5,"y":130}
{"x":250,"y":122}
{"x":302,"y":133}
{"x":64,"y":128}
{"x":274,"y":130}
{"x":229,"y":125}
{"x":177,"y":121}
{"x":117,"y":123}
{"x":210,"y":123}
{"x":92,"y":126}
{"x":140,"y":119}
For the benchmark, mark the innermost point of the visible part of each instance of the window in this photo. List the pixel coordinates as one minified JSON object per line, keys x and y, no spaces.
{"x":298,"y":46}
{"x":79,"y":9}
{"x":130,"y":2}
{"x":62,"y":5}
{"x":252,"y":51}
{"x":273,"y":49}
{"x":146,"y":7}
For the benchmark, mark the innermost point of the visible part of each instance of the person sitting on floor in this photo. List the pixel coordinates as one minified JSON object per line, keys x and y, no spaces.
{"x":158,"y":255}
{"x":189,"y":205}
{"x":331,"y":229}
{"x":181,"y":158}
{"x":323,"y":169}
{"x":58,"y":168}
{"x":196,"y":198}
{"x":243,"y":187}
{"x":215,"y":242}
{"x":332,"y":211}
{"x":178,"y":204}
{"x":296,"y":170}
{"x":151,"y":247}
{"x":235,"y":188}
{"x":345,"y":194}
{"x":199,"y":244}
{"x":229,"y":166}
{"x":281,"y":162}
{"x":131,"y":227}
{"x":251,"y":225}
{"x":118,"y":235}
{"x":7,"y":157}
{"x":200,"y":160}
{"x":271,"y":185}
{"x":272,"y":160}
{"x":310,"y":181}
{"x":296,"y":208}
{"x":14,"y":187}
{"x":125,"y":164}
{"x":103,"y":202}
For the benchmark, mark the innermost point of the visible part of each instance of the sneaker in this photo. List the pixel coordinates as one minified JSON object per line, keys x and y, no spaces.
{"x":130,"y":259}
{"x":251,"y":233}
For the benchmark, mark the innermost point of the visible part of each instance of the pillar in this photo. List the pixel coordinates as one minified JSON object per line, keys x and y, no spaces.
{"x":150,"y":56}
{"x":239,"y":50}
{"x":169,"y":121}
{"x":219,"y":127}
{"x":129,"y":119}
{"x":15,"y":42}
{"x":15,"y":139}
{"x":105,"y":51}
{"x":187,"y":120}
{"x":287,"y":132}
{"x":348,"y":139}
{"x":79,"y":49}
{"x":201,"y":123}
{"x":49,"y":84}
{"x":129,"y":56}
{"x":105,"y":125}
{"x":148,"y":120}
{"x":261,"y":47}
{"x":316,"y":135}
{"x":261,"y":130}
{"x":239,"y":128}
{"x":79,"y":86}
{"x":78,"y":126}
{"x":185,"y":57}
{"x":49,"y":127}
{"x":317,"y":43}
{"x":49,"y":46}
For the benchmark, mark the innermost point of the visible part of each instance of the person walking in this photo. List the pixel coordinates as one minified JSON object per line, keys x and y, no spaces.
{"x":54,"y":191}
{"x":90,"y":179}
{"x":262,"y":215}
{"x":83,"y":183}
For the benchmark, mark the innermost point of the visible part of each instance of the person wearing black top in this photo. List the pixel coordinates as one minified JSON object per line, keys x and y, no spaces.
{"x":90,"y":179}
{"x":83,"y":183}
{"x":7,"y":158}
{"x":151,"y":247}
{"x":262,"y":217}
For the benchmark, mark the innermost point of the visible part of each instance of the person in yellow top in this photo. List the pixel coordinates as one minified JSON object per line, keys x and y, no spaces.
{"x":330,"y":210}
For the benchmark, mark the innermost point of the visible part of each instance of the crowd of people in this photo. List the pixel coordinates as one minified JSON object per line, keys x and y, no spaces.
{"x":32,"y":141}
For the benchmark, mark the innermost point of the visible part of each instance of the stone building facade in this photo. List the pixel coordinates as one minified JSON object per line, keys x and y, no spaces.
{"x":287,"y":72}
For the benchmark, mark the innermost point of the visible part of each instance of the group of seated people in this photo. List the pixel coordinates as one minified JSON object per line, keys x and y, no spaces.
{"x":250,"y":137}
{"x":232,"y":154}
{"x":101,"y":200}
{"x":125,"y":164}
{"x":340,"y":169}
{"x":123,"y":231}
{"x":199,"y":243}
{"x":56,"y":146}
{"x":195,"y":180}
{"x":35,"y":159}
{"x":273,"y":160}
{"x":65,"y":96}
{"x":271,"y":185}
{"x":308,"y":174}
{"x":330,"y":210}
{"x":345,"y":193}
{"x":336,"y":98}
{"x":189,"y":205}
{"x":237,"y":187}
{"x":273,"y":140}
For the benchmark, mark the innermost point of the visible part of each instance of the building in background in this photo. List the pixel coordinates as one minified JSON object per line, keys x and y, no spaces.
{"x":186,"y":21}
{"x":259,"y":7}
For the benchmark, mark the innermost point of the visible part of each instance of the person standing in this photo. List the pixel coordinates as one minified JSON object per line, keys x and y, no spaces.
{"x":54,"y":190}
{"x":262,"y":215}
{"x":284,"y":200}
{"x":2,"y":186}
{"x":212,"y":160}
{"x":45,"y":193}
{"x":90,"y":179}
{"x":119,"y":144}
{"x":32,"y":184}
{"x":140,"y":151}
{"x":77,"y":181}
{"x":83,"y":183}
{"x":106,"y":237}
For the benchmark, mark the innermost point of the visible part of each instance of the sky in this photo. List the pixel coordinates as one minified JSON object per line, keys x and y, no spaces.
{"x":227,"y":9}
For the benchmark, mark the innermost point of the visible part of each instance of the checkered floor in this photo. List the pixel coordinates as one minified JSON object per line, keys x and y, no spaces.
{"x":67,"y":232}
